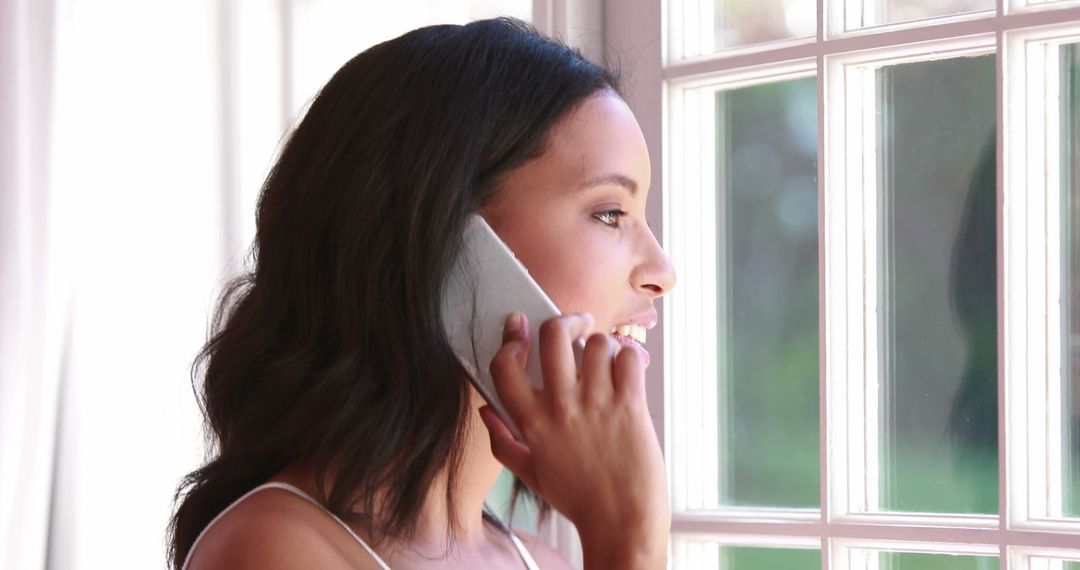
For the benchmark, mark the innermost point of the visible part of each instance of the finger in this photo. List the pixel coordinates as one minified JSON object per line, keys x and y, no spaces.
{"x":629,"y":373}
{"x":516,"y":328}
{"x":596,"y":367}
{"x":556,"y":354}
{"x":508,"y":374}
{"x":515,"y":455}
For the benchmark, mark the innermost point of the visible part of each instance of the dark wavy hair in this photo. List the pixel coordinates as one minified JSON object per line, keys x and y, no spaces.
{"x":331,"y":350}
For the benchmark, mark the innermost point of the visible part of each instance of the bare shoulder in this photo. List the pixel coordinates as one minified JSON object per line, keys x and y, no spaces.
{"x":546,"y":557}
{"x":278,"y":529}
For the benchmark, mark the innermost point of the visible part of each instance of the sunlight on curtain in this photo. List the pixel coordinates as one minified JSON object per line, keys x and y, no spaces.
{"x":28,"y":344}
{"x":127,"y":192}
{"x":136,"y":214}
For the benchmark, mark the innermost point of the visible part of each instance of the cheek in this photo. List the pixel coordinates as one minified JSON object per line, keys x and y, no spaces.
{"x":582,"y":278}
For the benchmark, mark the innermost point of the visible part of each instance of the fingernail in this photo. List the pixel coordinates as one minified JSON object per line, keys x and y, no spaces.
{"x":513,"y":323}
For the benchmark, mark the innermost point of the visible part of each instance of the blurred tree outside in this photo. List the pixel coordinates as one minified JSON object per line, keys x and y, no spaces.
{"x":1070,"y":188}
{"x":922,"y":561}
{"x":937,"y":165}
{"x":751,"y":558}
{"x":767,"y":173}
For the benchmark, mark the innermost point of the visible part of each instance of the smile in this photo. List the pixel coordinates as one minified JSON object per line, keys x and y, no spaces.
{"x":635,"y":333}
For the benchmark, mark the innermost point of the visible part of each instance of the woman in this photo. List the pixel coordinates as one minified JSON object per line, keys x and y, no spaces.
{"x":329,"y":384}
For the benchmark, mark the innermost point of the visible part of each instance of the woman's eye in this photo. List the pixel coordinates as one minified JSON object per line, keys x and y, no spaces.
{"x":610,"y":217}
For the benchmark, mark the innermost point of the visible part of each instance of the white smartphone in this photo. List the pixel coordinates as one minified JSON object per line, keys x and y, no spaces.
{"x":486,"y":284}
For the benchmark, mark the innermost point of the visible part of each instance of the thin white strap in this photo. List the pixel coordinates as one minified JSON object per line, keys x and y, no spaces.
{"x":526,"y":557}
{"x":294,"y":490}
{"x":349,"y":529}
{"x":530,"y":563}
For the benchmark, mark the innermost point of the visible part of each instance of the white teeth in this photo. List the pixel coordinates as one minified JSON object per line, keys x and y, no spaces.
{"x":635,"y":332}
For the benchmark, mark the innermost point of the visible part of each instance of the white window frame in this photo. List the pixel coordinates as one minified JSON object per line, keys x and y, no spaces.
{"x":663,"y":85}
{"x":1042,"y":558}
{"x":1033,"y":274}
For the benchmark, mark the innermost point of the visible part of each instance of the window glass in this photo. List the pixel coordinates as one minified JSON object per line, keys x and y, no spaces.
{"x":747,"y":558}
{"x":920,"y":561}
{"x":1070,"y":187}
{"x":705,"y":554}
{"x":701,"y":27}
{"x":767,"y":236}
{"x":878,"y":12}
{"x":1050,"y":563}
{"x":521,"y":516}
{"x":938,"y":275}
{"x":743,"y":22}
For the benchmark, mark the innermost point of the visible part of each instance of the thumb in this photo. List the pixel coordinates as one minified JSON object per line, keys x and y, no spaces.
{"x":516,"y":456}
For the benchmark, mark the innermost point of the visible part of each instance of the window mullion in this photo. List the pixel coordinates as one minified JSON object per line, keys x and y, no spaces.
{"x":696,"y":447}
{"x":825,"y":15}
{"x":850,"y":230}
{"x":1033,"y":238}
{"x":676,"y":311}
{"x":1025,"y":275}
{"x":1053,"y":239}
{"x":1004,"y":472}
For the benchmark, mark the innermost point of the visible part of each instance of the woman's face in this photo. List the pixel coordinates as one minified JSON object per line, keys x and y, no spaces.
{"x":575,"y":216}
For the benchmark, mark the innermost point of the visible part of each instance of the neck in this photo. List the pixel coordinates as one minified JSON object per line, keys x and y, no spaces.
{"x":476,"y":476}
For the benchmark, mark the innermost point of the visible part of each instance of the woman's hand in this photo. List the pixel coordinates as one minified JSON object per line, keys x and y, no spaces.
{"x":589,"y":449}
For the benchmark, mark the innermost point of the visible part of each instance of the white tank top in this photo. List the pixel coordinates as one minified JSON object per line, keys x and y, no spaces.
{"x":530,"y":564}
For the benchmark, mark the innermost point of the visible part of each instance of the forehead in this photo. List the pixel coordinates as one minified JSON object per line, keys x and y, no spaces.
{"x":600,"y":137}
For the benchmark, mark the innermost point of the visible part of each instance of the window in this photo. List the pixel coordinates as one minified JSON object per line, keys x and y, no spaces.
{"x":871,"y":359}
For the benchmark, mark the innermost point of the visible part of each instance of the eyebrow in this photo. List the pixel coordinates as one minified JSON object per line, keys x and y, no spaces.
{"x":615,"y":179}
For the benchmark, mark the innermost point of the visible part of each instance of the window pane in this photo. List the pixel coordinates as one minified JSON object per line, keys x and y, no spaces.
{"x":691,"y":554}
{"x":521,"y":516}
{"x":1070,"y":186}
{"x":878,"y":12}
{"x":938,"y":271}
{"x":768,"y":297}
{"x":1051,"y":563}
{"x":746,"y":558}
{"x":743,"y":22}
{"x":920,"y":561}
{"x":701,"y":27}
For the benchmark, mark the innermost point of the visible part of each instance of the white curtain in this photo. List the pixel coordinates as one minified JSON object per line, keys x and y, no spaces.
{"x":134,"y":136}
{"x":30,"y":342}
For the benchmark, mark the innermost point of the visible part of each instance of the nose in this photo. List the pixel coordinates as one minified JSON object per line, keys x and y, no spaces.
{"x":654,"y":275}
